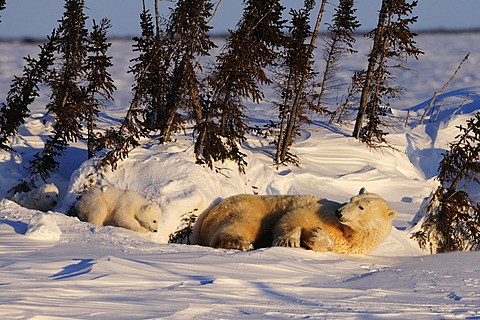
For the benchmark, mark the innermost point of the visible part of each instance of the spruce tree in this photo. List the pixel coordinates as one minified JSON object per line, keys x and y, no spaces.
{"x":67,"y":98}
{"x":165,"y":77}
{"x":339,"y":41}
{"x":99,"y":85}
{"x":392,"y":40}
{"x":187,"y":32}
{"x":452,"y":220}
{"x":148,"y":94}
{"x":295,"y":98}
{"x":24,"y":90}
{"x":151,"y":69}
{"x":73,"y":65}
{"x":2,"y":6}
{"x":237,"y":76}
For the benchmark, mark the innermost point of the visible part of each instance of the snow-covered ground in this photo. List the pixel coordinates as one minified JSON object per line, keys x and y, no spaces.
{"x":53,"y":266}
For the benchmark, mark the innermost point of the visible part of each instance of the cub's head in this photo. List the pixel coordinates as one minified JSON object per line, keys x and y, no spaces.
{"x":149,"y":217}
{"x":46,"y":197}
{"x":366,"y":211}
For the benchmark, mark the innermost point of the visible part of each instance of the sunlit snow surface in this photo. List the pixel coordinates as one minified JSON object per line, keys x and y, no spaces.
{"x":55,"y":267}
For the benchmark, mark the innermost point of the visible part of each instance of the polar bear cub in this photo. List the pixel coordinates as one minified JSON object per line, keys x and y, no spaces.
{"x":43,"y":198}
{"x":246,"y":222}
{"x":126,"y":209}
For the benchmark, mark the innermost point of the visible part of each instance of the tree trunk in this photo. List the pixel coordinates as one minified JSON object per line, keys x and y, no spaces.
{"x":90,"y":127}
{"x":157,"y":18}
{"x":372,"y":62}
{"x":328,"y":66}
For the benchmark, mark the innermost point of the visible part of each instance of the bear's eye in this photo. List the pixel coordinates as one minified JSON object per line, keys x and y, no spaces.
{"x":154,"y":221}
{"x":361,"y":208}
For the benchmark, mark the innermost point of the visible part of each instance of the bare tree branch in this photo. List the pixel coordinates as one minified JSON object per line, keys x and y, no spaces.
{"x":215,"y":11}
{"x":432,"y":101}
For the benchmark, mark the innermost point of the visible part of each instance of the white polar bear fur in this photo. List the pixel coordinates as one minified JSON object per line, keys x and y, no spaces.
{"x":43,"y":198}
{"x":126,"y":209}
{"x":246,"y":222}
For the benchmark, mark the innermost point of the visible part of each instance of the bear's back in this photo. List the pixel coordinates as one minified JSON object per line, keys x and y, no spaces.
{"x":129,"y":200}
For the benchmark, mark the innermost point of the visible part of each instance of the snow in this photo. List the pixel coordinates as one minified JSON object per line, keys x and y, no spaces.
{"x":54,"y":266}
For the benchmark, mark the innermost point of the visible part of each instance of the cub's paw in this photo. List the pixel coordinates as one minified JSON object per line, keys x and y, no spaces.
{"x":232,"y":243}
{"x":319,"y":240}
{"x":291,"y":239}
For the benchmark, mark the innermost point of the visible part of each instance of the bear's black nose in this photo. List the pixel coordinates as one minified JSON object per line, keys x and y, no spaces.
{"x":338,"y":214}
{"x":154,"y":230}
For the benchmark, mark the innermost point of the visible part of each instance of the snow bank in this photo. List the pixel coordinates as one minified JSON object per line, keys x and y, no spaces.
{"x":43,"y":227}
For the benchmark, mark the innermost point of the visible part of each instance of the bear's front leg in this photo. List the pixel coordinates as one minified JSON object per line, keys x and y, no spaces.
{"x":131,"y":224}
{"x":317,"y":239}
{"x":232,"y":242}
{"x":288,"y":238}
{"x":235,"y":236}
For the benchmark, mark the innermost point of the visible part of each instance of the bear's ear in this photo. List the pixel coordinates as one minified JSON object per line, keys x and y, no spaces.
{"x":147,"y":207}
{"x":391,"y":214}
{"x":362,"y":191}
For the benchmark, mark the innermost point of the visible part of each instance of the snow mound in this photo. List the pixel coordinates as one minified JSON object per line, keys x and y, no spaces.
{"x":168,"y":175}
{"x":42,"y":226}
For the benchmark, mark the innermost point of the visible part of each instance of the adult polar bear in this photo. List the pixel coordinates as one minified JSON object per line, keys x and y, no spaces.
{"x":246,"y":222}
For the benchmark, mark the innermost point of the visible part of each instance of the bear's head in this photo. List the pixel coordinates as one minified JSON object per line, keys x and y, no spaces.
{"x":149,"y":217}
{"x":46,"y":197}
{"x":366,"y":211}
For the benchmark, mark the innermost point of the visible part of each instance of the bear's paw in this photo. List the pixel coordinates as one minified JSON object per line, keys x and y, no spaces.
{"x":234,"y":243}
{"x":319,"y":240}
{"x":291,"y":239}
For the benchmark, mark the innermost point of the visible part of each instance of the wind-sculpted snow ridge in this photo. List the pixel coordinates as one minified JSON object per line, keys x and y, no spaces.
{"x":112,"y":273}
{"x":427,"y":141}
